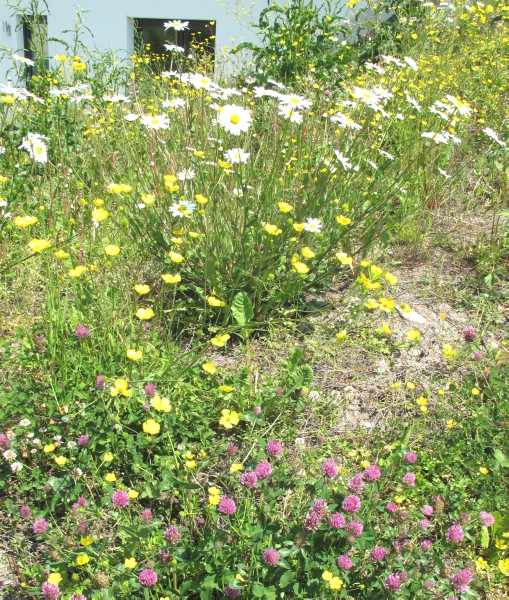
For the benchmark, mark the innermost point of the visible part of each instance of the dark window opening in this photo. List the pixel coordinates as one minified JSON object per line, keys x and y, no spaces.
{"x":198,"y":38}
{"x":35,"y":42}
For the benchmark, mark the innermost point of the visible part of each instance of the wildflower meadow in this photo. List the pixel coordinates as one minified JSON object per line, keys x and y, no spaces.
{"x":253,"y":319}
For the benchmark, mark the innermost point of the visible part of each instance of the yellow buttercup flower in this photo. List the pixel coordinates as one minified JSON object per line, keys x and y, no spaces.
{"x":272,"y":229}
{"x":343,"y":220}
{"x":285,"y":207}
{"x":142,"y":289}
{"x":54,"y":578}
{"x":168,"y":278}
{"x":229,"y":418}
{"x":151,"y":427}
{"x":134,"y":354}
{"x":148,"y":199}
{"x":78,"y":66}
{"x":175,"y":257}
{"x":108,"y":457}
{"x":48,"y":448}
{"x":78,"y":271}
{"x":201,"y":199}
{"x":336,"y":583}
{"x":61,"y":254}
{"x":451,"y":424}
{"x":120,"y":386}
{"x":110,"y":477}
{"x":371,"y":304}
{"x":220,"y":340}
{"x":448,"y":351}
{"x":209,"y":368}
{"x":39,"y":245}
{"x":213,"y":301}
{"x":481,"y":564}
{"x":236,"y":467}
{"x":133,"y":494}
{"x":25,"y":221}
{"x":99,"y":215}
{"x":214,"y":499}
{"x":483,"y":470}
{"x":503,"y":565}
{"x":307,"y":252}
{"x":87,"y":541}
{"x":112,"y":250}
{"x":413,"y":335}
{"x":343,"y":258}
{"x":144,"y":314}
{"x":341,"y":335}
{"x":226,"y":388}
{"x":327,"y":575}
{"x":300,"y":267}
{"x":387,"y":304}
{"x":82,"y":559}
{"x":130,"y":563}
{"x":160,"y":404}
{"x":392,"y":279}
{"x":60,"y":460}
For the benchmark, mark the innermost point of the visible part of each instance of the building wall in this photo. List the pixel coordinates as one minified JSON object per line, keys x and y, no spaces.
{"x":109,"y":21}
{"x":111,"y":27}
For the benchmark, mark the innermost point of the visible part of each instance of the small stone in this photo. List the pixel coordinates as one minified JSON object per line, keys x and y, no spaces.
{"x":411,"y":316}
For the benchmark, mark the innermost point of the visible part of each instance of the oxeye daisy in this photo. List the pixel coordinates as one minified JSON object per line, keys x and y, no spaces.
{"x":234,"y":119}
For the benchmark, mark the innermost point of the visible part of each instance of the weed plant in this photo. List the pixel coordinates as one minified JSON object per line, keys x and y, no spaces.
{"x":150,"y":220}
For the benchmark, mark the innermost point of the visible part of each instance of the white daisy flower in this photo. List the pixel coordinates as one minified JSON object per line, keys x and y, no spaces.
{"x":236,"y":156}
{"x":174,"y":48}
{"x":23,"y":59}
{"x":35,"y":146}
{"x":182,"y":209}
{"x":344,"y":121}
{"x":313,"y":225}
{"x":155,"y":121}
{"x":411,"y":63}
{"x":186,"y":174}
{"x":295,"y":101}
{"x":347,"y":165}
{"x":289,"y":112}
{"x":174,"y":103}
{"x":177,"y":25}
{"x":234,"y":119}
{"x":490,"y":133}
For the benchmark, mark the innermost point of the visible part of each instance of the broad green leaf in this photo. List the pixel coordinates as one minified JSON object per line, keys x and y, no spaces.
{"x":242,"y":309}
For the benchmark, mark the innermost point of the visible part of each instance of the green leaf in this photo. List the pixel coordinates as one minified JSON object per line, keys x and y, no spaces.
{"x":501,"y":458}
{"x":242,"y":309}
{"x":258,"y":590}
{"x":286,"y":578}
{"x":485,"y":537}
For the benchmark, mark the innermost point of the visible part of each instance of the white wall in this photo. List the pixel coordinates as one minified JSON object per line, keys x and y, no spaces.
{"x":109,"y":22}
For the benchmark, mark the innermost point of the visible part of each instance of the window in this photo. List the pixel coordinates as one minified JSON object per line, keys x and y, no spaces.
{"x":200,"y":36}
{"x":35,"y":40}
